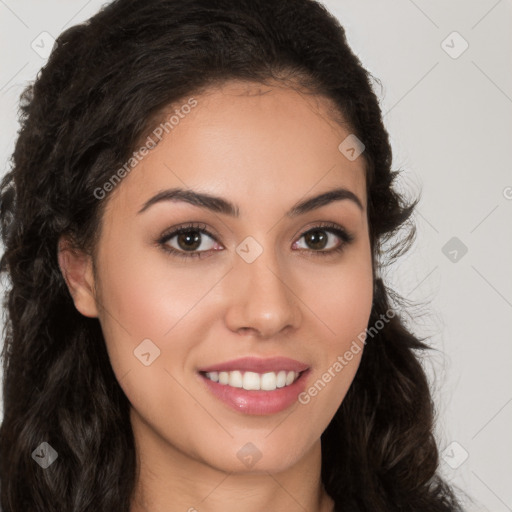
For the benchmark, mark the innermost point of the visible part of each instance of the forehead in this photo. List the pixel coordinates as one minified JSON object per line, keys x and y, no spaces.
{"x":251,"y":143}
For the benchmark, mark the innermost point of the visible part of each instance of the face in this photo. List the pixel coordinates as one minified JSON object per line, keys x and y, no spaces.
{"x":254,"y":276}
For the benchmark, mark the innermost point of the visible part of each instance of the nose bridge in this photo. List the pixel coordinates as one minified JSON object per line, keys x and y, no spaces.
{"x":260,"y":289}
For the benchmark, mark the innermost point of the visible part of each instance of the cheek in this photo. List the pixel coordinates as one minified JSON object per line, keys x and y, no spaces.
{"x":153,"y":307}
{"x":341,"y":299}
{"x":343,"y":306}
{"x":149,"y":295}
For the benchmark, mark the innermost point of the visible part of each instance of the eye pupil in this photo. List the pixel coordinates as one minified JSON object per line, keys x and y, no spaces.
{"x":191,"y":236}
{"x":317,"y":239}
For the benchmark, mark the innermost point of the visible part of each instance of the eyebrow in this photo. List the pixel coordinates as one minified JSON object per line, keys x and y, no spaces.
{"x":220,"y":205}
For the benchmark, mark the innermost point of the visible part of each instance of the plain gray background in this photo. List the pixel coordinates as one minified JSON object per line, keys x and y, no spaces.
{"x":446,"y":95}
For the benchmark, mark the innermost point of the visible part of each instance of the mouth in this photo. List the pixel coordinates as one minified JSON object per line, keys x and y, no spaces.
{"x":253,"y":381}
{"x":253,"y":393}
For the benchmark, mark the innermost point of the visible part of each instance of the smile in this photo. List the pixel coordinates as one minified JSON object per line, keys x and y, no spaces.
{"x":269,"y":381}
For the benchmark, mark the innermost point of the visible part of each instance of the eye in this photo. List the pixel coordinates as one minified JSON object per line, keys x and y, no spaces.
{"x":188,"y":241}
{"x":321,"y":240}
{"x":191,"y":241}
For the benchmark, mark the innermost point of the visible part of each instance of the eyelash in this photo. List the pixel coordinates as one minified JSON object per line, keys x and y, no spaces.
{"x":346,"y":238}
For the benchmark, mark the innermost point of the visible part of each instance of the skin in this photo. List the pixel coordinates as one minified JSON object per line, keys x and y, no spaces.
{"x":263,"y":148}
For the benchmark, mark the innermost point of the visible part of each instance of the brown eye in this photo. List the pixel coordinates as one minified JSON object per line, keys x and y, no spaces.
{"x":316,"y":239}
{"x":189,"y":241}
{"x":323,"y":239}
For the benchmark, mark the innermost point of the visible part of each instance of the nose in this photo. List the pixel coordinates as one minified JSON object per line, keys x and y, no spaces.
{"x":262,"y":297}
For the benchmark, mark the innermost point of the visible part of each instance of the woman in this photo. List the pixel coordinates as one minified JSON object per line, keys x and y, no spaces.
{"x":194,"y":227}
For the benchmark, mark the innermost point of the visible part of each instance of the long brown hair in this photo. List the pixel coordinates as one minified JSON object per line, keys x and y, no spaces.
{"x":81,"y":118}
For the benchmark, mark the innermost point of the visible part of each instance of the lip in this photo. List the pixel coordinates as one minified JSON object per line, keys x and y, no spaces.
{"x":257,"y":365}
{"x":257,"y":402}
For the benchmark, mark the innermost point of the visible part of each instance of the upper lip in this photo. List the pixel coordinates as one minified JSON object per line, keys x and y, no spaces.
{"x":257,"y":365}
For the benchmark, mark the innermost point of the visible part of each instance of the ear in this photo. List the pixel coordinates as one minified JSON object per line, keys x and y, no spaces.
{"x":76,"y":268}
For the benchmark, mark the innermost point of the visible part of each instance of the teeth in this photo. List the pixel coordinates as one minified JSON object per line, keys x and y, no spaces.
{"x":235,"y":379}
{"x":254,"y":381}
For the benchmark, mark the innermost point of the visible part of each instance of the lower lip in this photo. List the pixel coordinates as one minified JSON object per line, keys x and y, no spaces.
{"x":257,"y":402}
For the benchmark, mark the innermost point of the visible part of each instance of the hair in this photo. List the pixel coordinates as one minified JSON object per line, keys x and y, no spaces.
{"x":106,"y":82}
